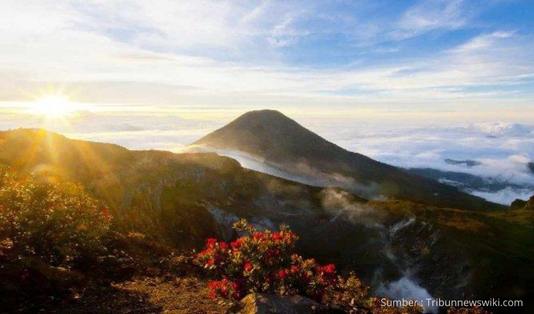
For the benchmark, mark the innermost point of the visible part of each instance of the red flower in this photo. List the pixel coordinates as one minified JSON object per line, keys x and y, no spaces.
{"x":258,"y":235}
{"x":236,"y":245}
{"x":248,"y":266}
{"x":219,"y":287}
{"x":270,"y":256}
{"x":329,"y":269}
{"x":277,"y":236}
{"x":211,"y":287}
{"x":203,"y":252}
{"x":214,"y":286}
{"x":210,"y":242}
{"x":223,"y":245}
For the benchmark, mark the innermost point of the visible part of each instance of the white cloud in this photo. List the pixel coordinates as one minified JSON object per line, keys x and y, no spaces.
{"x":432,"y":15}
{"x":502,"y":148}
{"x":206,"y":53}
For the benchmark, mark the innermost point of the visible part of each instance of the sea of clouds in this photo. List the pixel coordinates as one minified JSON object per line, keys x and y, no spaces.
{"x":503,"y":149}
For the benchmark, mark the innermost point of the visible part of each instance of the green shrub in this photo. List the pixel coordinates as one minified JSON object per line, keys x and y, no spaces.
{"x":55,"y":222}
{"x":265,"y":261}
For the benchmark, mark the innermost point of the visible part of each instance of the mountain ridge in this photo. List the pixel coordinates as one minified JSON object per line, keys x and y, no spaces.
{"x":283,"y":142}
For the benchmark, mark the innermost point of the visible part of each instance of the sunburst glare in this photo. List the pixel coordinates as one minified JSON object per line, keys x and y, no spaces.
{"x":54,"y":106}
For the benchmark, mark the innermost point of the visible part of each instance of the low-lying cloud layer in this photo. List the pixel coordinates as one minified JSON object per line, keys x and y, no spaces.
{"x":501,"y":151}
{"x":497,"y":150}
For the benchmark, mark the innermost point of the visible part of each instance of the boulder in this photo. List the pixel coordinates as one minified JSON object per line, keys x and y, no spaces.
{"x":257,"y":303}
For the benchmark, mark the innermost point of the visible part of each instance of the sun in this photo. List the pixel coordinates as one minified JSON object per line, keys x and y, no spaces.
{"x":53,"y":106}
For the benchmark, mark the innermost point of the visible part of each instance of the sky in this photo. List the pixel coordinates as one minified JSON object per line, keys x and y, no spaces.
{"x":406,"y":82}
{"x":473,"y":57}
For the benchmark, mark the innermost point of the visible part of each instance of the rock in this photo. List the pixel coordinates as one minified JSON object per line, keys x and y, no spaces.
{"x":257,"y":303}
{"x":518,"y":204}
{"x":60,"y":276}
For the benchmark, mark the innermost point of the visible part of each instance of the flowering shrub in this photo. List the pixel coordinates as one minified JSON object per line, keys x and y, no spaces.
{"x":56,"y":223}
{"x":264,"y":261}
{"x":259,"y":261}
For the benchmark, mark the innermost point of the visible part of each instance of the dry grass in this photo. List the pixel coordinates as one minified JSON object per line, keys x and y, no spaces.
{"x":148,"y":295}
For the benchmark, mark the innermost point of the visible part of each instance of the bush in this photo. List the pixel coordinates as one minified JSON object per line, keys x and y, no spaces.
{"x":55,"y":222}
{"x":265,"y":262}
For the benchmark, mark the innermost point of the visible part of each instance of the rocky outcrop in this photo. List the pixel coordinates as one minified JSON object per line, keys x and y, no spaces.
{"x":518,"y":204}
{"x":257,"y":303}
{"x":521,"y":204}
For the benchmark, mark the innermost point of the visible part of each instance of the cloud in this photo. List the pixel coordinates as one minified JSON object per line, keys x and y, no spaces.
{"x":226,"y":53}
{"x":432,"y":15}
{"x":505,"y":196}
{"x":134,"y":130}
{"x":503,"y":149}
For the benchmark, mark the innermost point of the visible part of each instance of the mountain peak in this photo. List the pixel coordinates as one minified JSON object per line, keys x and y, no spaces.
{"x":263,"y":118}
{"x":263,"y":113}
{"x":268,"y":133}
{"x":277,"y":140}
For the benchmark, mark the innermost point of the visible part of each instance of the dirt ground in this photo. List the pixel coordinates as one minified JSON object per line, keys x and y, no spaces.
{"x":146,"y":295}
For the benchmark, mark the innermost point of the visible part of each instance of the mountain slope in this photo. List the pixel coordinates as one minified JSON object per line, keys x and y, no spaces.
{"x":277,"y":140}
{"x":181,"y":199}
{"x":170,"y":196}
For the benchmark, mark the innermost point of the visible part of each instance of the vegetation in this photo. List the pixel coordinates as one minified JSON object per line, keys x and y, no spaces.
{"x":160,"y":199}
{"x":265,"y":261}
{"x":49,"y":230}
{"x":56,"y":223}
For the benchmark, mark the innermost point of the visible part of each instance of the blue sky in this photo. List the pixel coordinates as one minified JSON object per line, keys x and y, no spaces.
{"x":349,"y":57}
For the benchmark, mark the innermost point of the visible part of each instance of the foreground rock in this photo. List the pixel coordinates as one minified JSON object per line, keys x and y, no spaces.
{"x":256,"y":303}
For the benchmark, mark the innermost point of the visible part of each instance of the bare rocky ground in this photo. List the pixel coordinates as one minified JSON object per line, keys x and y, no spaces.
{"x":159,"y":294}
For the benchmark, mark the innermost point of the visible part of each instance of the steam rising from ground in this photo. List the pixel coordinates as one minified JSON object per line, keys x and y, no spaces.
{"x":407,"y":289}
{"x":341,"y":204}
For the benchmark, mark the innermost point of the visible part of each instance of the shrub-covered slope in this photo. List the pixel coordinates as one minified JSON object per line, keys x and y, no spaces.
{"x":181,"y":199}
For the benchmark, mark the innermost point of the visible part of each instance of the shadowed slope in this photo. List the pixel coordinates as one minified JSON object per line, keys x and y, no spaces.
{"x":280,"y":141}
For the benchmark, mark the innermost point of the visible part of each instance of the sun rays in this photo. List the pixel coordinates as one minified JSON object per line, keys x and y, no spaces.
{"x":54,"y":106}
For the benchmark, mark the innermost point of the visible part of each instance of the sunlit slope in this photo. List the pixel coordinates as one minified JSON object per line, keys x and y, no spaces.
{"x":164,"y":194}
{"x":280,"y":141}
